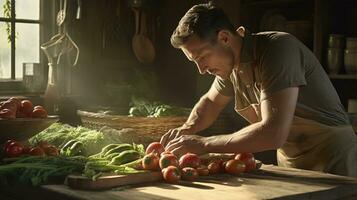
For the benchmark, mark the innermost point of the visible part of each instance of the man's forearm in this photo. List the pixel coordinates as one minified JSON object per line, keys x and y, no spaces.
{"x":204,"y":113}
{"x":253,"y":138}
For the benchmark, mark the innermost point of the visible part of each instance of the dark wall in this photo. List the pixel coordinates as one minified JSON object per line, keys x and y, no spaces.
{"x":104,"y":33}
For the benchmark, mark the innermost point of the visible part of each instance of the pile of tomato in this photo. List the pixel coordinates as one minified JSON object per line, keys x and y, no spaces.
{"x":190,"y":166}
{"x":13,"y":148}
{"x":17,"y":108}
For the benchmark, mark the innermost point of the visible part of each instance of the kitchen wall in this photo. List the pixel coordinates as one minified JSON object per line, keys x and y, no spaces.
{"x":104,"y":35}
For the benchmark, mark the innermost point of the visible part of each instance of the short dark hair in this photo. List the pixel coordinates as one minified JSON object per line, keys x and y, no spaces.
{"x":203,"y":20}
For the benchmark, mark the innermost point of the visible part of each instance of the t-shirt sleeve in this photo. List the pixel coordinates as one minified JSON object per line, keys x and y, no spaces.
{"x":282,"y":65}
{"x":224,"y":87}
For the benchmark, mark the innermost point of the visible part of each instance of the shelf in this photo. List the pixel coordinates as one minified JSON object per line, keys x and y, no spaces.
{"x":343,"y":76}
{"x":269,"y":2}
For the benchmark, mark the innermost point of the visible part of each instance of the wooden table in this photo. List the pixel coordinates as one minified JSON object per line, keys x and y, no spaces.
{"x":270,"y":182}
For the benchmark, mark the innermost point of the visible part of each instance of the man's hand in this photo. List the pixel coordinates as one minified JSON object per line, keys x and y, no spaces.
{"x":187,"y":143}
{"x":175,"y":133}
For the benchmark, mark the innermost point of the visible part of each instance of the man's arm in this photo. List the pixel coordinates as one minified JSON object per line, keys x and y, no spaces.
{"x":203,"y":114}
{"x":206,"y":110}
{"x":270,"y":133}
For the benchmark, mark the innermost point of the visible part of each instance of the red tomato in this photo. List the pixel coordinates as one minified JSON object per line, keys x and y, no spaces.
{"x":14,"y":149}
{"x":17,"y":101}
{"x":223,"y":165}
{"x":189,"y":174}
{"x":235,"y":167}
{"x":150,"y":161}
{"x":189,"y":160}
{"x":7,"y":143}
{"x":26,"y":107}
{"x":243,"y":156}
{"x":9,"y":105}
{"x":168,"y":160}
{"x":36,"y":151}
{"x":248,"y":159}
{"x":50,"y":150}
{"x":38,"y":107}
{"x":166,"y":152}
{"x":214,"y":167}
{"x":155,"y":147}
{"x":202,"y":170}
{"x":39,"y":113}
{"x":171,"y":174}
{"x":7,"y":114}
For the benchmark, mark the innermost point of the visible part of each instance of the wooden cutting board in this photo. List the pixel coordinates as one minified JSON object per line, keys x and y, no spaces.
{"x":110,"y":181}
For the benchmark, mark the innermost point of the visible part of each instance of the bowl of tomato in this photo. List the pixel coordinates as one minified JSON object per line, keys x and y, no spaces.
{"x":21,"y":129}
{"x":20,"y":120}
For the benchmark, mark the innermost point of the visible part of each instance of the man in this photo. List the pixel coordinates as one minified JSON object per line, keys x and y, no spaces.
{"x":278,"y":86}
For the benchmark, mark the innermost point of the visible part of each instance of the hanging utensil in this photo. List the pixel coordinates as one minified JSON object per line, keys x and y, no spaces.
{"x":79,"y":9}
{"x":61,"y":15}
{"x":58,"y":45}
{"x":142,"y":46}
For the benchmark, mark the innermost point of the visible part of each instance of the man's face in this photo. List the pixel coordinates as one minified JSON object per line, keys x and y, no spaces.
{"x":215,"y":58}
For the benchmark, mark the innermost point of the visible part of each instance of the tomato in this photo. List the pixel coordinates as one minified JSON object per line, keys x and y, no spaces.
{"x":189,"y":174}
{"x":7,"y":114}
{"x":38,"y":107}
{"x":50,"y":150}
{"x":7,"y":143}
{"x":165,"y":152}
{"x":189,"y":160}
{"x":150,"y":161}
{"x":155,"y":147}
{"x":168,"y":160}
{"x":26,"y":107}
{"x":14,"y":149}
{"x":171,"y":174}
{"x":37,"y":151}
{"x":202,"y":170}
{"x":243,"y":156}
{"x":39,"y":113}
{"x":235,"y":167}
{"x":214,"y":167}
{"x":16,"y":100}
{"x":9,"y":105}
{"x":223,"y":166}
{"x":248,"y":159}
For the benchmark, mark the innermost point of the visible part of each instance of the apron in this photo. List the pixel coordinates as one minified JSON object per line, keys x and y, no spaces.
{"x":310,"y":145}
{"x":319,"y":147}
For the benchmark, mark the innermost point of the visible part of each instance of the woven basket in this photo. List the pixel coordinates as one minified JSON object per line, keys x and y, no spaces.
{"x":147,"y":128}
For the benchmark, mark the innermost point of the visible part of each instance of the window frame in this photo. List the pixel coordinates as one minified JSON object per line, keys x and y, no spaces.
{"x":47,"y":28}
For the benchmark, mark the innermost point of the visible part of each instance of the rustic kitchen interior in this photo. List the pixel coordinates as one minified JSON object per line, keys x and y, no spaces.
{"x":104,"y":73}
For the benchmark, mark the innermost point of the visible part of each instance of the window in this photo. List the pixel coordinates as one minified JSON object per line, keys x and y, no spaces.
{"x":19,"y":36}
{"x":24,"y":25}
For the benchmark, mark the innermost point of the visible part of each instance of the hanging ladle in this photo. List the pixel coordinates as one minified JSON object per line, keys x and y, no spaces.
{"x":142,"y":46}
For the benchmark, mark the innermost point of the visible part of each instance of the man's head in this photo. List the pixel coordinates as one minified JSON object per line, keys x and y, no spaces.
{"x":208,"y":38}
{"x":204,"y":21}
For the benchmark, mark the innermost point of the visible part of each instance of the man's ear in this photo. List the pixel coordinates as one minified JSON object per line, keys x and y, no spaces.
{"x":241,"y":31}
{"x":223,"y":36}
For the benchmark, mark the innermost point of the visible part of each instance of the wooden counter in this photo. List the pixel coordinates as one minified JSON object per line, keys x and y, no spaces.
{"x":270,"y":182}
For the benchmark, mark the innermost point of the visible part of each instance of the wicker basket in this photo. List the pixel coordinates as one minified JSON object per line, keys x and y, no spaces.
{"x":147,"y":128}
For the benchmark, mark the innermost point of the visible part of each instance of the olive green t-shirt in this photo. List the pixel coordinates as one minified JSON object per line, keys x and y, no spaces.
{"x":272,"y":61}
